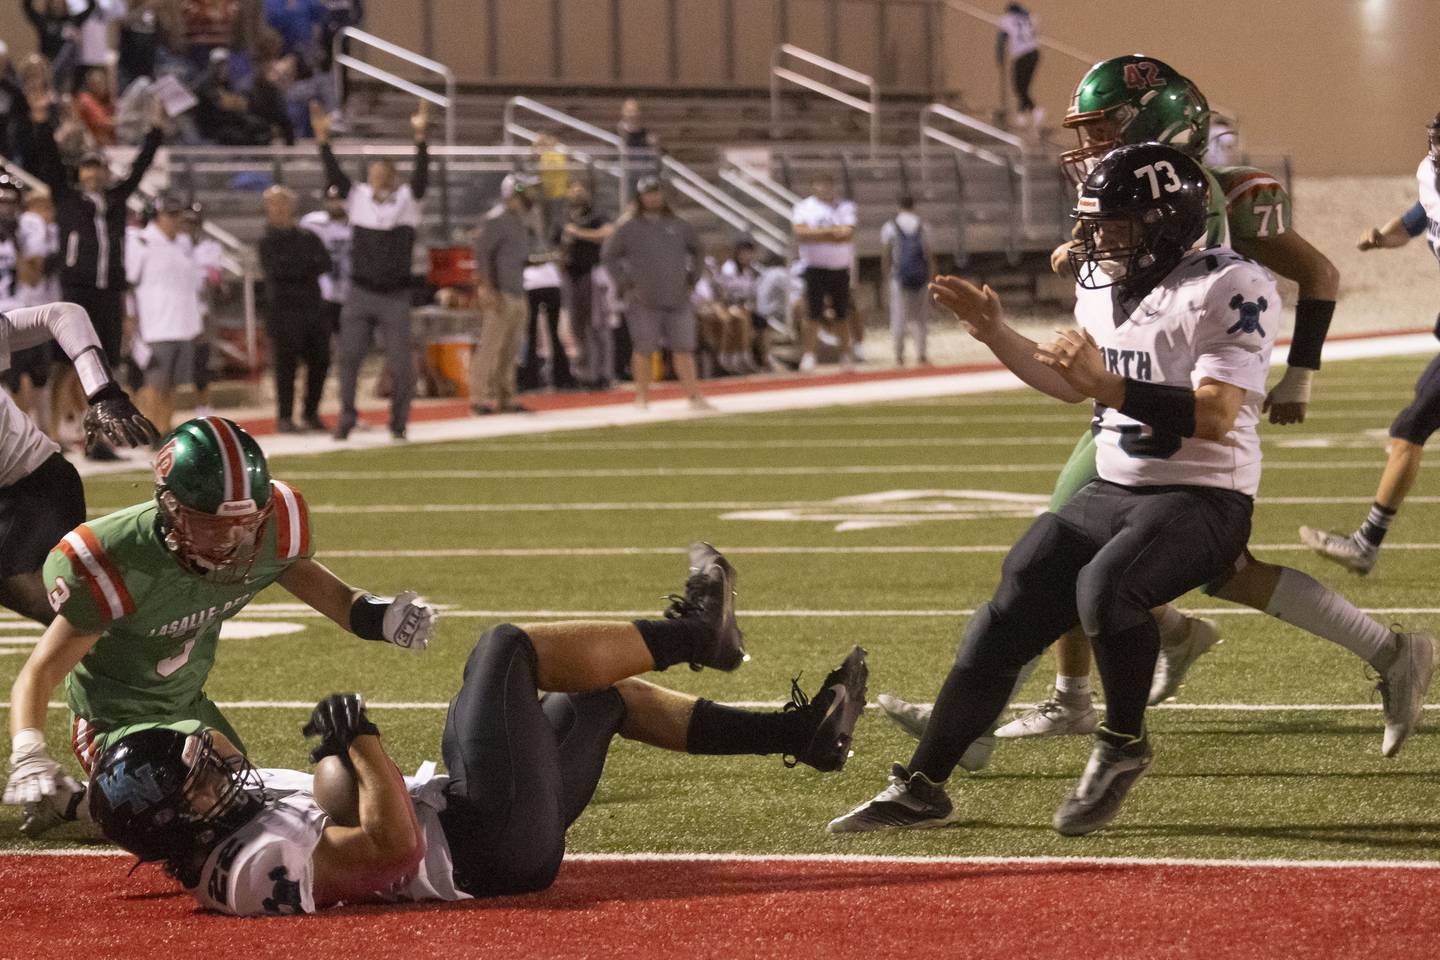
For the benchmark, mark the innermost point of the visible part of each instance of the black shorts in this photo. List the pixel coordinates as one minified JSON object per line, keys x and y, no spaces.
{"x":821,"y":283}
{"x":522,"y":767}
{"x":33,"y":362}
{"x":36,"y":512}
{"x":1418,"y":421}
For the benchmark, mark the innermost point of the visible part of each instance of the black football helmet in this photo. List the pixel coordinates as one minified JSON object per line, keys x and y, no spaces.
{"x":1140,"y":210}
{"x":170,"y":798}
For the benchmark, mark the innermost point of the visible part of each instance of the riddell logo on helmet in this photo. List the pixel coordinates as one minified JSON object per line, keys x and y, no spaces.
{"x":1088,"y":205}
{"x":165,"y":461}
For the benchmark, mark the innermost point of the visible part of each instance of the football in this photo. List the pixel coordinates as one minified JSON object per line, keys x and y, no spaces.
{"x":336,"y":791}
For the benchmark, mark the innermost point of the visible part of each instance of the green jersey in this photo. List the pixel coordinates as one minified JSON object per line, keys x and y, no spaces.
{"x":1217,"y":226}
{"x":158,"y":622}
{"x":1256,"y":203}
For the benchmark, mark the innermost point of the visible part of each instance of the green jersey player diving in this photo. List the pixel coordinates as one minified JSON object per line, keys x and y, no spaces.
{"x":140,"y":596}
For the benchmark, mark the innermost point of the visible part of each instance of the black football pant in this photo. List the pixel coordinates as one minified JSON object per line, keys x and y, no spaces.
{"x":1103,"y":561}
{"x":547,"y":299}
{"x":1024,"y":72}
{"x":296,"y":340}
{"x":522,"y":767}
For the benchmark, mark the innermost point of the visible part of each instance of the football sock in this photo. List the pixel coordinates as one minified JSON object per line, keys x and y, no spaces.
{"x":1302,"y":601}
{"x":1173,"y":624}
{"x":674,"y":641}
{"x":718,"y":729}
{"x":1074,"y":691}
{"x":1126,"y":659}
{"x":1373,"y":530}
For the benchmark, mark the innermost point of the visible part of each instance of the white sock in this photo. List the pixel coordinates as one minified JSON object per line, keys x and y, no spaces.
{"x":1073,"y":690}
{"x":1302,"y":601}
{"x":1173,"y":624}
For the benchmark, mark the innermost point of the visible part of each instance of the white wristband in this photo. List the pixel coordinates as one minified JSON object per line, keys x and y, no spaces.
{"x":27,"y":741}
{"x":93,"y":371}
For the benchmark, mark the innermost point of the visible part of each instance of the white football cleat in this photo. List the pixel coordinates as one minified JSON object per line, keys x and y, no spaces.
{"x":1052,"y":718}
{"x":1176,"y":659}
{"x":1345,"y":549}
{"x":1403,"y":686}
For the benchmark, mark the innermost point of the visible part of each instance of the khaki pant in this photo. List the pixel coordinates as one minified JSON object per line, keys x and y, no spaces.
{"x":492,"y":368}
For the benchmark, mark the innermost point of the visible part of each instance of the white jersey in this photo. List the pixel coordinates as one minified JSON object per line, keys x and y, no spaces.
{"x":336,"y":236}
{"x":265,"y":867}
{"x":10,"y":273}
{"x":1020,"y":28}
{"x":1428,"y":179}
{"x":39,"y":238}
{"x":1214,"y":317}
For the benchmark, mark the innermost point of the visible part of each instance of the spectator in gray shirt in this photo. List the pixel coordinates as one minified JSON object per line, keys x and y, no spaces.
{"x":507,"y":237}
{"x":655,"y":258}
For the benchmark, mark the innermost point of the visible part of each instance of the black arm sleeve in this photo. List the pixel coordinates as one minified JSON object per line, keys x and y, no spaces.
{"x":1312,"y":323}
{"x":420,"y":177}
{"x":1171,"y":409}
{"x":143,"y":159}
{"x":334,"y":176}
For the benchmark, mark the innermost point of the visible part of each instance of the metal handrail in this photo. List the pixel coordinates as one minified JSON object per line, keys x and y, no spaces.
{"x":683,"y":178}
{"x":1064,"y":49}
{"x":1013,"y":161}
{"x":342,"y":60}
{"x":779,"y":73}
{"x":767,"y":195}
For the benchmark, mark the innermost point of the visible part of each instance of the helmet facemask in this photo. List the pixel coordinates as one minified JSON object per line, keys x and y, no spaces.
{"x":220,"y":547}
{"x":1119,"y":250}
{"x":1098,"y":132}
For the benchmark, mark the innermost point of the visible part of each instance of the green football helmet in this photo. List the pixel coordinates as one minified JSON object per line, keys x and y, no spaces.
{"x":212,"y":486}
{"x":1133,"y":99}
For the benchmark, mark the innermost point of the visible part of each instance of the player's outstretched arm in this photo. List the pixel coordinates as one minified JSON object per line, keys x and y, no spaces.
{"x":350,"y":863}
{"x":1292,"y":256}
{"x":406,"y":620}
{"x":979,"y":311}
{"x":33,"y":773}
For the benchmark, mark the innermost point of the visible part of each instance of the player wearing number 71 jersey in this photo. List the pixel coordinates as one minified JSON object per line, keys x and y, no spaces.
{"x":1174,"y":348}
{"x":140,"y":596}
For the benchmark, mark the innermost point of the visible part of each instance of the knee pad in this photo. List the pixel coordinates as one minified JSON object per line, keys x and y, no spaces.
{"x":991,"y":643}
{"x":1105,"y":605}
{"x":504,"y":641}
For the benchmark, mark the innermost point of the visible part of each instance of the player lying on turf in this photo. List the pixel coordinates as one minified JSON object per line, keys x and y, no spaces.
{"x":1417,"y":423}
{"x":522,"y":767}
{"x":140,"y":596}
{"x":1174,"y":349}
{"x":1134,"y":99}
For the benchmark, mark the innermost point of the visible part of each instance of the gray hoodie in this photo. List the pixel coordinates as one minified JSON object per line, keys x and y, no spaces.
{"x":655,"y":261}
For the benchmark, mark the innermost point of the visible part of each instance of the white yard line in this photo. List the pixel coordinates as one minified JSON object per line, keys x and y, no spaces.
{"x":822,"y":859}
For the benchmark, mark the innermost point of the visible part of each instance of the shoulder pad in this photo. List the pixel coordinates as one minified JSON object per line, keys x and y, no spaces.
{"x":93,"y":569}
{"x":292,"y":523}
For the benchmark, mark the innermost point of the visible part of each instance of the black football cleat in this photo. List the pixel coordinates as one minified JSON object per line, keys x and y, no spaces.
{"x":710,"y":598}
{"x":835,"y":709}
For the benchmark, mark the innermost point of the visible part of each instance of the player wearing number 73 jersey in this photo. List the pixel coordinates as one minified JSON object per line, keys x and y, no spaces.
{"x":140,"y":596}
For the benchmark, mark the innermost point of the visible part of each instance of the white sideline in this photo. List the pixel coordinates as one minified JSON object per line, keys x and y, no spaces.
{"x":759,"y":401}
{"x":881,"y":859}
{"x":775,"y":704}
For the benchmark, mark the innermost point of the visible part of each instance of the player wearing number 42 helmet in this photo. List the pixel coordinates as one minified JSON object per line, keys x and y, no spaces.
{"x":140,"y":596}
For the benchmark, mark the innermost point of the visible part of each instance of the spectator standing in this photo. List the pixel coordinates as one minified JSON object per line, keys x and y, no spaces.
{"x":1017,"y":31}
{"x":160,"y":265}
{"x":27,"y":369}
{"x":332,"y":225}
{"x":580,"y":242}
{"x":147,"y":30}
{"x":738,"y":283}
{"x":554,"y":168}
{"x":543,"y":295}
{"x":908,"y":261}
{"x":655,"y":258}
{"x":95,"y":106}
{"x":641,"y":146}
{"x":91,"y":217}
{"x":210,"y":258}
{"x":825,"y":231}
{"x":39,"y":242}
{"x":93,"y":34}
{"x":502,"y":251}
{"x":294,"y":260}
{"x":384,"y":215}
{"x":268,"y":100}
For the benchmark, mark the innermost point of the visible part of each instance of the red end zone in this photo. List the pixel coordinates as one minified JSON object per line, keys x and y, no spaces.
{"x":82,"y":906}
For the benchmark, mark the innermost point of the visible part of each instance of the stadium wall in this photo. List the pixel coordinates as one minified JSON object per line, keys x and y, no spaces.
{"x":1342,"y":85}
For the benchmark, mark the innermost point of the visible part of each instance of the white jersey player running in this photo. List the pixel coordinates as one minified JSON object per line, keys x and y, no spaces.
{"x":1173,"y":349}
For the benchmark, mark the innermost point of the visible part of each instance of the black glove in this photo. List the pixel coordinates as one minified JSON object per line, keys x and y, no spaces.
{"x":114,"y":419}
{"x":337,"y":721}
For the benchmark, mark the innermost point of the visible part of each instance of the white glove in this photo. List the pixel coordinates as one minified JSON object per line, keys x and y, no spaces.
{"x":1294,"y":386}
{"x":33,"y":775}
{"x":409,"y":621}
